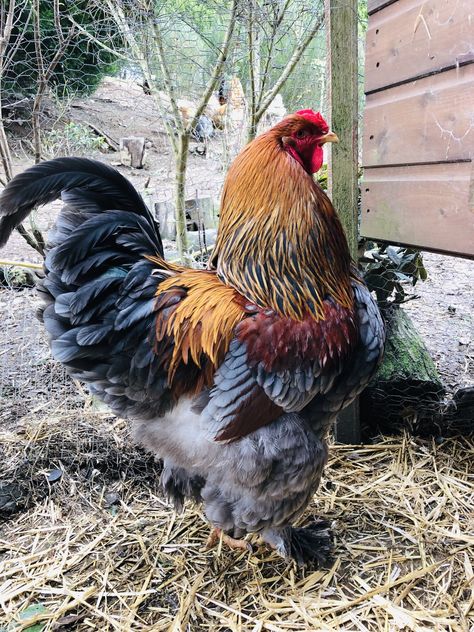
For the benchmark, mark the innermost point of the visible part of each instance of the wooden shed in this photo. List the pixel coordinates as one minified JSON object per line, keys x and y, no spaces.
{"x":418,"y":145}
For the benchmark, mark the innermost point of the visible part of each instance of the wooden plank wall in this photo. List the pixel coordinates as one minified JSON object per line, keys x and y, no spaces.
{"x":418,"y":143}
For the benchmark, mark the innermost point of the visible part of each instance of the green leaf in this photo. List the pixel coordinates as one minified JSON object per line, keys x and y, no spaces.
{"x":386,"y":266}
{"x":402,"y":277}
{"x":30,"y":612}
{"x":393,"y":255}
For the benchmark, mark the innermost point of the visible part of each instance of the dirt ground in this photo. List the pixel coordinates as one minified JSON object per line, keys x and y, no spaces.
{"x":444,"y":316}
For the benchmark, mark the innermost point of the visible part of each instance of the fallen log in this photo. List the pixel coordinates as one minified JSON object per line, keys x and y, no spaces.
{"x":108,"y":140}
{"x":406,"y":392}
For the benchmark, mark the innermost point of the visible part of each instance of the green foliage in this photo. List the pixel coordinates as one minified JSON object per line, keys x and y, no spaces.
{"x":322,"y":177}
{"x":74,"y":139}
{"x":387,"y":268}
{"x":83,"y":63}
{"x":362,"y":15}
{"x":191,"y":33}
{"x":30,"y":612}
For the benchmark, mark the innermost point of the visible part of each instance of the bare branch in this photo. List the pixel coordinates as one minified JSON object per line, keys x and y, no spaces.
{"x":276,"y":23}
{"x":211,"y":84}
{"x":44,"y":77}
{"x":290,"y":66}
{"x":193,"y":28}
{"x":253,"y":87}
{"x":29,"y":239}
{"x":5,"y":154}
{"x":19,"y":39}
{"x":57,"y":21}
{"x":168,"y":82}
{"x":97,"y":41}
{"x":59,"y":53}
{"x":37,"y":37}
{"x":7,"y":31}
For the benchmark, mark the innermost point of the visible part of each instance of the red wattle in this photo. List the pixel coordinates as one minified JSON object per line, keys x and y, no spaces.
{"x":311,"y":162}
{"x":317,"y":160}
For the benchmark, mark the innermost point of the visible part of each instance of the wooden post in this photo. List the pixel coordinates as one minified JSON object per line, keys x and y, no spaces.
{"x":341,"y":22}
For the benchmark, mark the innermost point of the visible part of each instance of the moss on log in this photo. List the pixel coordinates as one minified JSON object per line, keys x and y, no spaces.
{"x":406,"y":356}
{"x":406,"y":390}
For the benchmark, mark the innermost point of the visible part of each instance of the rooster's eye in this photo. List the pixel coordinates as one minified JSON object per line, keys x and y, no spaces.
{"x":301,"y":133}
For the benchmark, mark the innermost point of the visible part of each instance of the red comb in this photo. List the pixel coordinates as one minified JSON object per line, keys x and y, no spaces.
{"x":316,"y":118}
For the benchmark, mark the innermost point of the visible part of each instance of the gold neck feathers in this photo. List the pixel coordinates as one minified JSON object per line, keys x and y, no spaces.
{"x":280,"y":242}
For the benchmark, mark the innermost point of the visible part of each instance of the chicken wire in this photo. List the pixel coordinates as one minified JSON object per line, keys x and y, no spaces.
{"x":80,"y":115}
{"x":426,"y":383}
{"x":78,"y":67}
{"x":31,"y":382}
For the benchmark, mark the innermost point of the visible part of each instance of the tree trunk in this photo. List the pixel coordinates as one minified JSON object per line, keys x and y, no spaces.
{"x":5,"y":155}
{"x":406,"y":362}
{"x":5,"y":33}
{"x":255,"y":79}
{"x":181,"y":163}
{"x":252,"y":130}
{"x":35,"y":123}
{"x":132,"y":152}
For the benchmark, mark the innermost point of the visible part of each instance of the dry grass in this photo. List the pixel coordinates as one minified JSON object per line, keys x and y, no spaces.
{"x":100,"y":550}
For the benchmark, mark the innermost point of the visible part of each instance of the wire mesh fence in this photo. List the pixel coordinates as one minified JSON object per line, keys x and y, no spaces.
{"x":31,"y":383}
{"x":163,"y":59}
{"x":425,"y":385}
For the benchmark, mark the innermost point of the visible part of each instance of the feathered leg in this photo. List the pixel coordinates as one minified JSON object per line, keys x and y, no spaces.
{"x":310,"y":544}
{"x":178,"y":485}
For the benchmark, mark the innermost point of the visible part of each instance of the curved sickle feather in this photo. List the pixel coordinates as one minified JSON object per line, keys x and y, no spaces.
{"x":101,"y":185}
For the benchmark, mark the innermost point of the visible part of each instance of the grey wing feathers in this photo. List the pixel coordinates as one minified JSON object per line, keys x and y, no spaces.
{"x":365,"y":360}
{"x":293,"y":389}
{"x":241,"y":389}
{"x":234,"y":385}
{"x":245,"y":396}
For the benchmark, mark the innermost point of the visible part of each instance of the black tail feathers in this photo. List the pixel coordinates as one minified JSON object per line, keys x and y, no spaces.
{"x":91,"y":185}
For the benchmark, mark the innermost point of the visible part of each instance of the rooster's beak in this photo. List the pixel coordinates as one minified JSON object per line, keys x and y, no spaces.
{"x":330,"y":137}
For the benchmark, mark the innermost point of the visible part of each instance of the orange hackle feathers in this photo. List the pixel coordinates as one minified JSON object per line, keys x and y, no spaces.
{"x":202,"y":324}
{"x":280,"y":242}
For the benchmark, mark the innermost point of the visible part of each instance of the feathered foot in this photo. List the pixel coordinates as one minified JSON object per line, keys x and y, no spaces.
{"x":178,"y":485}
{"x":306,"y":545}
{"x":231,"y":542}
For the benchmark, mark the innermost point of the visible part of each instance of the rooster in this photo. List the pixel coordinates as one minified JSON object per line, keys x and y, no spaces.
{"x":232,"y":375}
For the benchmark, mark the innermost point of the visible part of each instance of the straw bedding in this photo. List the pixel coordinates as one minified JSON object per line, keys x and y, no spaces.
{"x":88,"y":543}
